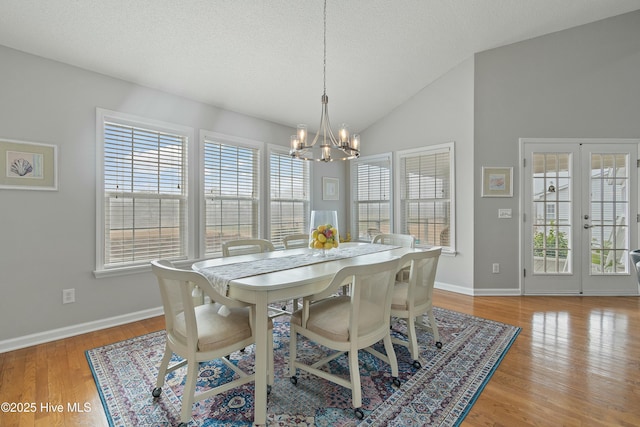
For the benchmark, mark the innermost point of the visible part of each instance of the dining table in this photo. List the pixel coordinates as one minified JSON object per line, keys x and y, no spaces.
{"x":264,"y":278}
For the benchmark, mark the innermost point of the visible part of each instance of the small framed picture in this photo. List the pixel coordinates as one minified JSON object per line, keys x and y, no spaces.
{"x":497,"y":182}
{"x":28,"y":165}
{"x":330,"y":188}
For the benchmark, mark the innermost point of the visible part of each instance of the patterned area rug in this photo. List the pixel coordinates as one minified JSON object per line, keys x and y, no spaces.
{"x":440,"y":393}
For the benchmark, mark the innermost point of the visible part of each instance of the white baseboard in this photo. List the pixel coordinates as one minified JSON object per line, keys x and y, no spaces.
{"x":82,"y":328}
{"x":477,"y":292}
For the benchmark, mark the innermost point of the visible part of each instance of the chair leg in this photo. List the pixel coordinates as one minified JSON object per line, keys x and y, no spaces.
{"x":188,"y":394}
{"x":434,"y":328}
{"x":354,"y":372}
{"x":391,"y":355}
{"x":162,"y":371}
{"x":292,"y":352}
{"x":412,"y":338}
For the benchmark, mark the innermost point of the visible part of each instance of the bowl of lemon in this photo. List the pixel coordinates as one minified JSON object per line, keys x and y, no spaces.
{"x":324,"y":235}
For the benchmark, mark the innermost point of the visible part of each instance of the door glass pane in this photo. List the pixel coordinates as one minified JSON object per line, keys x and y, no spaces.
{"x":552,"y":208}
{"x":609,"y":205}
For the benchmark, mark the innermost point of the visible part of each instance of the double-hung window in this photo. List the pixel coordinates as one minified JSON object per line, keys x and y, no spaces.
{"x":142,"y":191}
{"x":426,"y":184}
{"x":231,"y":185}
{"x":371,"y":195}
{"x":289,"y":196}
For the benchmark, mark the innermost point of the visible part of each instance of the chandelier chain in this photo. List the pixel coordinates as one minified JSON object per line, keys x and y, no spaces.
{"x":324,"y":63}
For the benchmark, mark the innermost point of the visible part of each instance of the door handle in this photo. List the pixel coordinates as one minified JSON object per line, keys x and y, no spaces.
{"x":587,"y":226}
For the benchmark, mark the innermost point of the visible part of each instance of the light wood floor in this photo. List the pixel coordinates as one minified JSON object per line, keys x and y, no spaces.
{"x":575,"y":363}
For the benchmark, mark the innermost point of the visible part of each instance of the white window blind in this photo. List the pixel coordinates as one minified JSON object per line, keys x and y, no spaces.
{"x":426,"y":188}
{"x":145,"y":195}
{"x":371,"y":196}
{"x":231,"y":192}
{"x":289,"y":196}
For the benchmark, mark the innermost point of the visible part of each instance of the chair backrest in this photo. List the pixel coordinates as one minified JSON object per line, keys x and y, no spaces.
{"x":176,"y":286}
{"x":404,"y":240}
{"x":371,"y":293}
{"x":246,"y":246}
{"x":422,"y":275}
{"x":296,"y":241}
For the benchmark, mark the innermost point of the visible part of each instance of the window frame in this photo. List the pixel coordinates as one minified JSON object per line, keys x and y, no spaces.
{"x":377,"y":158}
{"x":187,"y":234}
{"x":283,"y":151}
{"x":233,"y":141}
{"x":428,"y":150}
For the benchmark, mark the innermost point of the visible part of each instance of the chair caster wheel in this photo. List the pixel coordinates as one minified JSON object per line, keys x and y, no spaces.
{"x":439,"y":344}
{"x":156,"y":392}
{"x":416,"y":364}
{"x":294,"y":380}
{"x":359,"y":414}
{"x":396,"y":382}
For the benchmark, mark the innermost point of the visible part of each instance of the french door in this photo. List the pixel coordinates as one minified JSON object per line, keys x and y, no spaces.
{"x":579,"y":222}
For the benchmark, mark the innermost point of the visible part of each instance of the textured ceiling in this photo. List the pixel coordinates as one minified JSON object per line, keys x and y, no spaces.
{"x":264,"y":58}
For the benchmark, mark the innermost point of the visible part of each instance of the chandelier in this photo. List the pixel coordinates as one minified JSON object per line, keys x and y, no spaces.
{"x":329,"y":147}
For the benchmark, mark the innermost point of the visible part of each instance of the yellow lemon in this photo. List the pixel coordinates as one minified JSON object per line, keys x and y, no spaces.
{"x":314,"y":234}
{"x":321,"y":228}
{"x":335,"y":243}
{"x":322,"y":238}
{"x":328,"y":245}
{"x":318,"y":245}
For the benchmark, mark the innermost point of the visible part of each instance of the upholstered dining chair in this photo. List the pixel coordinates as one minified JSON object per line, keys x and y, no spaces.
{"x":253,"y":246}
{"x":404,"y":240}
{"x":414,"y":298}
{"x":347,"y":324}
{"x":296,"y":241}
{"x":199,"y":334}
{"x":246,"y":246}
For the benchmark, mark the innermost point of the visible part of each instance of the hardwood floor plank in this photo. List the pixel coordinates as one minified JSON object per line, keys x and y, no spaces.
{"x":575,"y":363}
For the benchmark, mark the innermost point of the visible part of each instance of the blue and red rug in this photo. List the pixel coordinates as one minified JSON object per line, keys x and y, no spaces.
{"x":438,"y":394}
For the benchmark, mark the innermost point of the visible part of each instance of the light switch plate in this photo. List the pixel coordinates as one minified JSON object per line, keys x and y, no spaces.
{"x":504,"y":213}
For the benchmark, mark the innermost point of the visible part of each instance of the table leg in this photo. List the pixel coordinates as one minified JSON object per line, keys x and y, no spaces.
{"x":261,"y":368}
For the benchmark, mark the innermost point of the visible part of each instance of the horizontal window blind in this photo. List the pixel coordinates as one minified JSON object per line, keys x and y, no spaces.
{"x":144,"y":194}
{"x":231,"y":193}
{"x":289,"y":196}
{"x":425,"y":193}
{"x":372,"y":204}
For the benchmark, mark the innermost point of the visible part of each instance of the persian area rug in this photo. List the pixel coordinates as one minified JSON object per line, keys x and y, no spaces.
{"x":440,"y":393}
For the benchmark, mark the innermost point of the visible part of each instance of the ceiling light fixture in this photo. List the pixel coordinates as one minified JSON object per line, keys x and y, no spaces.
{"x":329,"y":148}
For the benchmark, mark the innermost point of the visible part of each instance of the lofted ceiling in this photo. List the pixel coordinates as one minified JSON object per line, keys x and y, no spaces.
{"x":265,"y":58}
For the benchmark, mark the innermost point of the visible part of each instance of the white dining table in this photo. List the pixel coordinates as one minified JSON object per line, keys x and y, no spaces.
{"x":265,"y":288}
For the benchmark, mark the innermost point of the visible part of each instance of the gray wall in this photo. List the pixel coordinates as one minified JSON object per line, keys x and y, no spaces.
{"x":442,"y":112}
{"x":582,"y":82}
{"x":47,"y":239}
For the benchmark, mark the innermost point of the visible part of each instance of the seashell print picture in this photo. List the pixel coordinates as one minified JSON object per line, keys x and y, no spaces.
{"x":24,"y":164}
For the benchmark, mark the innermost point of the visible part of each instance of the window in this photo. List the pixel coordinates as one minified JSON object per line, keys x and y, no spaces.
{"x":231,"y":190}
{"x":371,"y":195}
{"x":426,"y":181}
{"x":289,"y":195}
{"x":142,"y":191}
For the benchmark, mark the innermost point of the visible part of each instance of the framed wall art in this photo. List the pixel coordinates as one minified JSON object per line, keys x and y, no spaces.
{"x":497,"y":182}
{"x":330,"y":188}
{"x":28,"y":165}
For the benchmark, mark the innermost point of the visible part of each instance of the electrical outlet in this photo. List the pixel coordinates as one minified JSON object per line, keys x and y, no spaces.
{"x":68,"y":296}
{"x":496,"y":268}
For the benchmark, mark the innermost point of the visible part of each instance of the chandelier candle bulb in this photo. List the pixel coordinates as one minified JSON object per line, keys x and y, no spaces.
{"x":302,"y":134}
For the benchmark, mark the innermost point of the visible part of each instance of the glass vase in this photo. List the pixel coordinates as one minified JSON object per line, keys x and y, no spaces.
{"x":323,"y":232}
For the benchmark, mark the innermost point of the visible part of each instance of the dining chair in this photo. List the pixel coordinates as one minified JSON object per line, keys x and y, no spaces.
{"x":296,"y":241}
{"x":200,"y":333}
{"x":414,"y":298}
{"x":403,"y":240}
{"x":347,"y":324}
{"x":254,"y":246}
{"x":246,"y":246}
